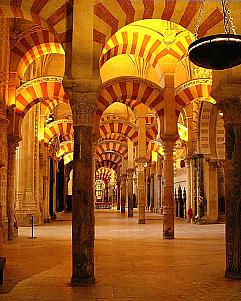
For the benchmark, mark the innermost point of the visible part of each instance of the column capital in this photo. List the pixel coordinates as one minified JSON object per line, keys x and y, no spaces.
{"x":83,"y":97}
{"x":231,"y":108}
{"x":13,"y":143}
{"x":140,"y":160}
{"x":168,"y":142}
{"x":130,"y":171}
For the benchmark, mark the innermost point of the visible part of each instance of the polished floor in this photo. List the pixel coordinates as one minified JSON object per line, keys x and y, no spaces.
{"x":132,"y":262}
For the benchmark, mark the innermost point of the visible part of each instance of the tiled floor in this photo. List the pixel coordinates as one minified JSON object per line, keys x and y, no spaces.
{"x":133,"y":262}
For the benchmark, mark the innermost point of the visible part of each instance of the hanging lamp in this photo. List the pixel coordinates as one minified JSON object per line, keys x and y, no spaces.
{"x":220,"y":51}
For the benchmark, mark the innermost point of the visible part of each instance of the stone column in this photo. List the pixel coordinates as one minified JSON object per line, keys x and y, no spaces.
{"x":118,"y":193}
{"x":130,"y":173}
{"x":55,"y":170}
{"x":211,"y":189}
{"x":4,"y":124}
{"x":152,"y":185}
{"x":189,"y":188}
{"x":83,"y":106}
{"x":168,"y":189}
{"x":232,"y":121}
{"x":11,"y":202}
{"x":123,"y":193}
{"x":66,"y":180}
{"x":141,"y":192}
{"x":140,"y":113}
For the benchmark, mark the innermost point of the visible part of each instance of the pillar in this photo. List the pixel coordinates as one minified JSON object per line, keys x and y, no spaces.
{"x":123,"y":193}
{"x":140,"y":113}
{"x":168,"y":189}
{"x":11,"y":202}
{"x":55,"y":170}
{"x":4,"y":125}
{"x":83,"y":105}
{"x":232,"y":122}
{"x":66,"y":180}
{"x":130,"y":173}
{"x":118,"y":193}
{"x":28,"y":203}
{"x":141,"y":192}
{"x":189,"y":209}
{"x":211,"y":189}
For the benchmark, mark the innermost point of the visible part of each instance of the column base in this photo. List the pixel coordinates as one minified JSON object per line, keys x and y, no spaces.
{"x":168,"y":236}
{"x":130,"y":215}
{"x":14,"y":235}
{"x":76,"y":281}
{"x":47,"y":220}
{"x":25,"y":218}
{"x":233,"y":275}
{"x":141,"y":221}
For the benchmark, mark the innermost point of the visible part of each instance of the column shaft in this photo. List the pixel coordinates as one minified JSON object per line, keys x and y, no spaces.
{"x":130,"y":193}
{"x":83,"y":208}
{"x":168,"y":191}
{"x":123,"y":193}
{"x":12,"y":226}
{"x":141,"y":193}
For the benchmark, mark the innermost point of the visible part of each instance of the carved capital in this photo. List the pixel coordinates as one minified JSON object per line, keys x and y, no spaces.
{"x":231,"y":109}
{"x":83,"y":105}
{"x":168,"y":143}
{"x":83,"y":95}
{"x":13,"y":143}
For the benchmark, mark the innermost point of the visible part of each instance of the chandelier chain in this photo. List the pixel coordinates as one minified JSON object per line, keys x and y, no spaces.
{"x":228,"y":19}
{"x":199,"y":20}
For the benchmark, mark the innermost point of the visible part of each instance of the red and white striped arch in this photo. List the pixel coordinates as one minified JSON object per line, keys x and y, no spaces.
{"x":131,"y":91}
{"x":195,"y":89}
{"x":51,"y":15}
{"x":126,"y":129}
{"x":106,"y":164}
{"x":154,"y":146}
{"x":65,"y":147}
{"x":30,"y":45}
{"x":151,"y":132}
{"x":103,"y":174}
{"x":111,"y":15}
{"x":112,"y":137}
{"x":56,"y":128}
{"x":151,"y":48}
{"x":44,"y":89}
{"x":115,"y":146}
{"x":51,"y":106}
{"x":109,"y":156}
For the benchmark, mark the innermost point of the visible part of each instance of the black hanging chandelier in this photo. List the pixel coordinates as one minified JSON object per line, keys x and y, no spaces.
{"x":220,"y":51}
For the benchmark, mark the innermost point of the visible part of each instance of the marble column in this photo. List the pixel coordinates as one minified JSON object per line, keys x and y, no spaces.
{"x":11,"y":201}
{"x":168,"y":189}
{"x":66,"y":180}
{"x":232,"y":121}
{"x":118,"y":193}
{"x":55,"y":170}
{"x":28,"y":204}
{"x":83,"y":105}
{"x":141,"y":192}
{"x":4,"y":124}
{"x":130,"y":173}
{"x":189,"y":190}
{"x":140,"y":113}
{"x":123,"y":193}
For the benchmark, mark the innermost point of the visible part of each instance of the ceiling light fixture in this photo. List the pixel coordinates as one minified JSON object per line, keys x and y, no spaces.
{"x":220,"y":51}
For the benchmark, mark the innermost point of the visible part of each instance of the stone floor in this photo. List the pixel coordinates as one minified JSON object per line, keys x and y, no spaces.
{"x":132,"y":262}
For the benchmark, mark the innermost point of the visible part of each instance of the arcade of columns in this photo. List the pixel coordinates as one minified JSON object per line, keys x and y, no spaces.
{"x":121,"y":104}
